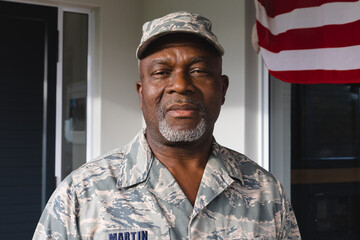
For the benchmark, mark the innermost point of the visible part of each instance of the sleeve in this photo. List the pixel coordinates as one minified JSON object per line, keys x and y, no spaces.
{"x":59,"y":218}
{"x":289,"y":226}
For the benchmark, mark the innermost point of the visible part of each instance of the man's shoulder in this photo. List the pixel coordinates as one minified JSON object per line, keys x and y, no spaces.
{"x":124,"y":166}
{"x":109,"y":157}
{"x":101,"y":167}
{"x":122,"y":152}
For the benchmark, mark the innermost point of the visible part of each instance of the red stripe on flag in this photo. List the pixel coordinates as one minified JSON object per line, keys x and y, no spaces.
{"x":277,"y":7}
{"x":330,"y":36}
{"x":318,"y":76}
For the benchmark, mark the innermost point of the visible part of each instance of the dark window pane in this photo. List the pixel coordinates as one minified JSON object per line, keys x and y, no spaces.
{"x":331,"y":121}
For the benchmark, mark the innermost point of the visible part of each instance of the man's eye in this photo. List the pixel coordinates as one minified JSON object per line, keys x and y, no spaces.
{"x":199,"y":72}
{"x":160,"y":73}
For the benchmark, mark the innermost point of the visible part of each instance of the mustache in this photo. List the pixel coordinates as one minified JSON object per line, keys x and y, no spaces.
{"x":197,"y":104}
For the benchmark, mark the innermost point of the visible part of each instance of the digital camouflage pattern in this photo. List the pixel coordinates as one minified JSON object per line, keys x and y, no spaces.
{"x":128,"y":194}
{"x":178,"y":22}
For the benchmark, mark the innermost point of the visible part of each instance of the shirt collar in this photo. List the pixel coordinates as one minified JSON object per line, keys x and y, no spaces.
{"x":136,"y":160}
{"x":229,"y":159}
{"x":220,"y":172}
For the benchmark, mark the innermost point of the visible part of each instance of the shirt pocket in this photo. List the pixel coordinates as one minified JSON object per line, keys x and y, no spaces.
{"x":132,"y":234}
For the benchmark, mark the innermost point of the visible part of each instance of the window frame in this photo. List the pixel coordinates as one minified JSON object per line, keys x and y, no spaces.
{"x":91,"y":150}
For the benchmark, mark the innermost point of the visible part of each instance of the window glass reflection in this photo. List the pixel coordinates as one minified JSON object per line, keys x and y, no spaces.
{"x":75,"y":52}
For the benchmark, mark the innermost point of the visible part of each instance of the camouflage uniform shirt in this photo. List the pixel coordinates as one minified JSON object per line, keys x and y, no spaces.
{"x":129,"y":195}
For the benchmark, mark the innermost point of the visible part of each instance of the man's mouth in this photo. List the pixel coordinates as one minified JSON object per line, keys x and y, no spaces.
{"x":185,"y":110}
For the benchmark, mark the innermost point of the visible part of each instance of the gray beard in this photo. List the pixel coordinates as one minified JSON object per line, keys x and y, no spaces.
{"x":182,"y":135}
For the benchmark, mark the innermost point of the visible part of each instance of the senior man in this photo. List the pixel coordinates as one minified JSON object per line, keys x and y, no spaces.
{"x":173,"y":180}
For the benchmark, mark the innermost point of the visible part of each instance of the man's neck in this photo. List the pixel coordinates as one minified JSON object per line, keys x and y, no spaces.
{"x":186,"y":162}
{"x":185,"y":155}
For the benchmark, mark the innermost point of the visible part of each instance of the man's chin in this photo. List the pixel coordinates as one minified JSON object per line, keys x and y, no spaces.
{"x":175,"y":135}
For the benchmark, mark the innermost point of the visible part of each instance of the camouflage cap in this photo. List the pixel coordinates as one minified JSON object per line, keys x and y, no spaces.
{"x":176,"y":22}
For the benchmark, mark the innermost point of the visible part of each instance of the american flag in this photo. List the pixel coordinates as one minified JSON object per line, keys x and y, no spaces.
{"x":310,"y":41}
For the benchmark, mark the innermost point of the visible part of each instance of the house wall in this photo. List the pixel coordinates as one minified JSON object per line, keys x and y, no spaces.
{"x":116,"y":114}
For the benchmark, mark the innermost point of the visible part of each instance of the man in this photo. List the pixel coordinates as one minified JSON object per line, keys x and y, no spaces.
{"x":173,"y":181}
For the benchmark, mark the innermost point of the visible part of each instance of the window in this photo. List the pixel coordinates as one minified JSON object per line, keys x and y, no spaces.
{"x":315,"y":139}
{"x":73,"y":79}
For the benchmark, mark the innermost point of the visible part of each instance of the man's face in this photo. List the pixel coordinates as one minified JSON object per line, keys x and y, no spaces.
{"x":182,"y":90}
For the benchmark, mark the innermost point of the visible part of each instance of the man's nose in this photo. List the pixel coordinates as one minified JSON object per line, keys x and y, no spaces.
{"x":180,"y":82}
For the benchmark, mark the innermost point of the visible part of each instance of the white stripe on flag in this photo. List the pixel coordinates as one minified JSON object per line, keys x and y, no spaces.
{"x":326,"y":14}
{"x":345,"y":58}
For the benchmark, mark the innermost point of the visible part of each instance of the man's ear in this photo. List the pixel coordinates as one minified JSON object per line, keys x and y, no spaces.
{"x":225,"y":85}
{"x":139,"y":91}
